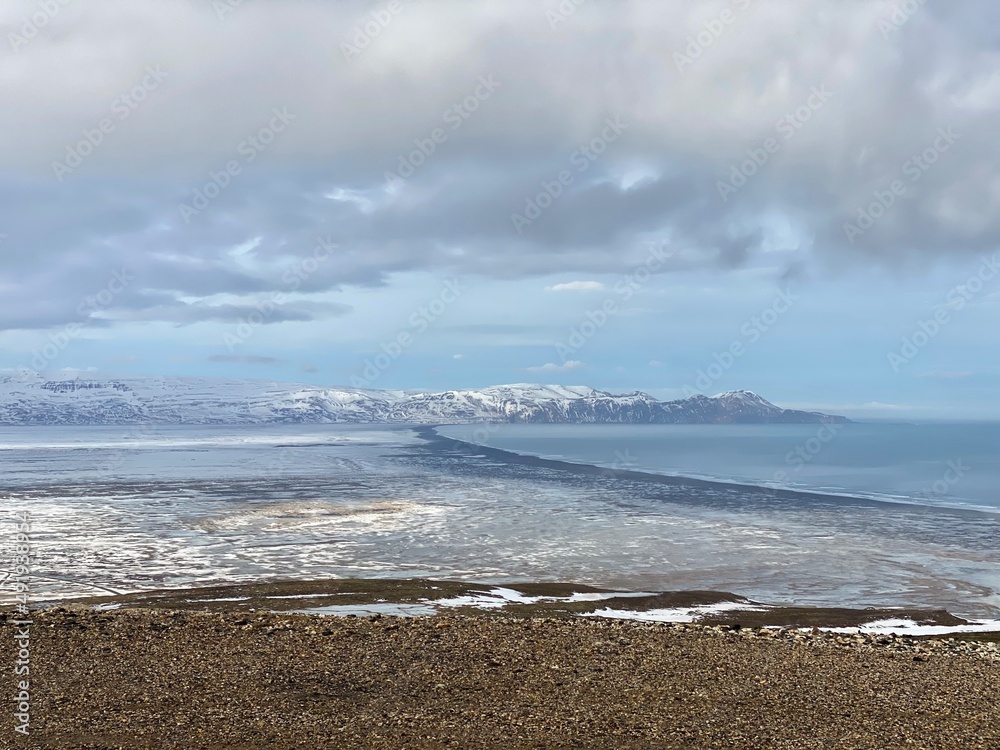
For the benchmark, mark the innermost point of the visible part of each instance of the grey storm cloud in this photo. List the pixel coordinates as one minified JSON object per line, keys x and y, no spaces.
{"x":735,"y":119}
{"x":188,"y":313}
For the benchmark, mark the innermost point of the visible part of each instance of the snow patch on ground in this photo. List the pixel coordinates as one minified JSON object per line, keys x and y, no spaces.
{"x":501,"y":597}
{"x":905,"y":626}
{"x":676,"y":614}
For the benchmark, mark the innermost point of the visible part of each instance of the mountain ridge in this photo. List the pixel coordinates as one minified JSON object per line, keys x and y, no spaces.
{"x":33,"y":398}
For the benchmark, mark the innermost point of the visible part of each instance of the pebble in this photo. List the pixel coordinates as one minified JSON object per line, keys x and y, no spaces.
{"x":171,"y":679}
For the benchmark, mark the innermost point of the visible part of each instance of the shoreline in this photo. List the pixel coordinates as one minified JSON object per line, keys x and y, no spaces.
{"x":430,"y":434}
{"x":426,"y":597}
{"x":451,"y":451}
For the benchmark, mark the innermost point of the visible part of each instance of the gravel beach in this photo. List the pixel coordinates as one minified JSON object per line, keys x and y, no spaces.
{"x":182,"y":679}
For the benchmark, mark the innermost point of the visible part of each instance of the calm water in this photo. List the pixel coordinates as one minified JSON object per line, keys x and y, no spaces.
{"x":137,"y":508}
{"x":948,"y":464}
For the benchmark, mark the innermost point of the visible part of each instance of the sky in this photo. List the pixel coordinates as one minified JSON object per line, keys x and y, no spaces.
{"x":799,"y":199}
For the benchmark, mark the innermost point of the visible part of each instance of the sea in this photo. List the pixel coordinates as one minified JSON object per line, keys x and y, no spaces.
{"x":816,"y":515}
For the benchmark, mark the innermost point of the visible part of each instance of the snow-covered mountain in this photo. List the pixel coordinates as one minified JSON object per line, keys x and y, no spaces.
{"x":31,"y":398}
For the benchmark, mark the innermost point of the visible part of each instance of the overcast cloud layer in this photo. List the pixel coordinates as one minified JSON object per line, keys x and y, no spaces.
{"x":381,"y":148}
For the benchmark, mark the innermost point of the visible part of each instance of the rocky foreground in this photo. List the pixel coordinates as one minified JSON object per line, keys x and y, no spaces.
{"x":171,"y":678}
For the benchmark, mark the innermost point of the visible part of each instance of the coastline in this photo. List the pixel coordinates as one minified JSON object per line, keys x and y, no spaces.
{"x":430,"y":434}
{"x":304,"y":664}
{"x":422,"y":597}
{"x":435,"y":513}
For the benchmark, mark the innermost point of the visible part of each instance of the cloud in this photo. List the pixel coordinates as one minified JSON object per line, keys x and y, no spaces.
{"x":245,"y":359}
{"x":182,"y":313}
{"x":655,"y":363}
{"x":458,"y":356}
{"x":686,"y":128}
{"x":572,"y":364}
{"x":576,"y":286}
